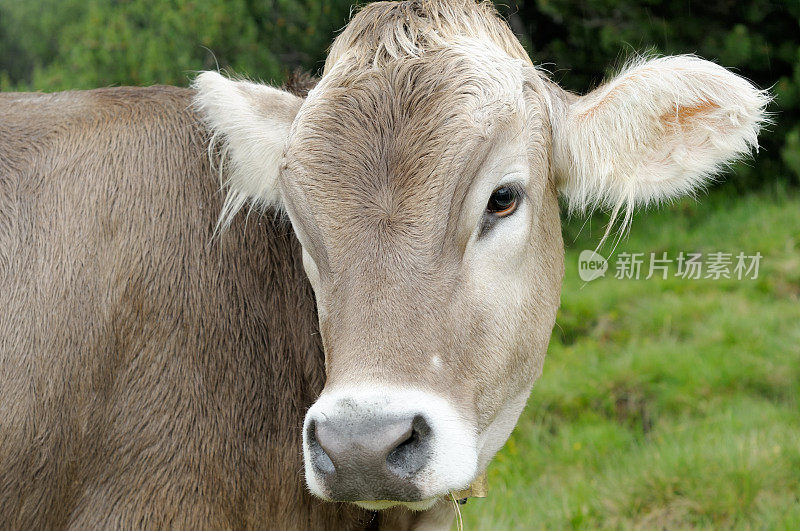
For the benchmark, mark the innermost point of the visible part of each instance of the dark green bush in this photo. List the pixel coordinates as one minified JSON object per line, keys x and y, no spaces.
{"x":65,"y":44}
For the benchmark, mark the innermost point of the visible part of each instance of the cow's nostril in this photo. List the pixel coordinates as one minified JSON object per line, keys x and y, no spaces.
{"x":320,"y":459}
{"x":411,"y":454}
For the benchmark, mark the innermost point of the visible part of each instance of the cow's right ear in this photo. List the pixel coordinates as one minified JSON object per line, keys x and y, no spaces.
{"x":251,"y":123}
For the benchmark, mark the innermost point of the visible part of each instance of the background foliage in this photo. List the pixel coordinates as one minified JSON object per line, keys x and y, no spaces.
{"x":70,"y":44}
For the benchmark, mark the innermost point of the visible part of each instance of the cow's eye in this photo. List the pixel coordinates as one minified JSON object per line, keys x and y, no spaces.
{"x":503,"y":201}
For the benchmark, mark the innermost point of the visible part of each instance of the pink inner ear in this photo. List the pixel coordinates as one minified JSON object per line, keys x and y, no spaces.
{"x":683,"y":115}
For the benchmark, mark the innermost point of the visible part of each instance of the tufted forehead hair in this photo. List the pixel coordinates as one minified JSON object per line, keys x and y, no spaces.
{"x":383,"y":31}
{"x":398,"y":141}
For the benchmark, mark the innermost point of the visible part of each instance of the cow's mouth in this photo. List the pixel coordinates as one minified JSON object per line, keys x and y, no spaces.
{"x":477,"y":489}
{"x":380,"y":505}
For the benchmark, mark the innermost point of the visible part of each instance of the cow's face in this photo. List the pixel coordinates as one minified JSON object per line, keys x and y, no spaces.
{"x":423,"y":189}
{"x":423,"y":197}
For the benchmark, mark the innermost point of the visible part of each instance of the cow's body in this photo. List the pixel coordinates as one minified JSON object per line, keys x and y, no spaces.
{"x":149,"y":373}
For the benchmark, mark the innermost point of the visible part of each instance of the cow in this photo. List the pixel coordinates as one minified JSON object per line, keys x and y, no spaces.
{"x":345,"y":333}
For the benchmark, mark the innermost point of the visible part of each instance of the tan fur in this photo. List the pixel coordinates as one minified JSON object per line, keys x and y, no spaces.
{"x":384,"y":204}
{"x":149,"y":375}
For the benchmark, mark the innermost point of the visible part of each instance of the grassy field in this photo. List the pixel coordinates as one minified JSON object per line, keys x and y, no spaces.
{"x":666,"y":403}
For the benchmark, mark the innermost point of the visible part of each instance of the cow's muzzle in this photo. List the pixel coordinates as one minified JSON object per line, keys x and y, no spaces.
{"x":381,"y":448}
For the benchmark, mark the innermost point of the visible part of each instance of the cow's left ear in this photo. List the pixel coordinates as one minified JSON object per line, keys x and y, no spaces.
{"x":251,"y":123}
{"x":658,"y":130}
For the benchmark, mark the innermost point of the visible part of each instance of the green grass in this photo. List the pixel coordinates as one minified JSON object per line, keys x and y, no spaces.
{"x":666,"y":403}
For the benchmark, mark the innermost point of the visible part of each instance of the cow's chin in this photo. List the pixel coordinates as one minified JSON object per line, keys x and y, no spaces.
{"x":380,"y":505}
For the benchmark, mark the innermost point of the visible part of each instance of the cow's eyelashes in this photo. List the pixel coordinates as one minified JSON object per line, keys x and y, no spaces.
{"x":504,"y":201}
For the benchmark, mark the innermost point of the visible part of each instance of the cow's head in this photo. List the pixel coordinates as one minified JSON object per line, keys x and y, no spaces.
{"x":422,"y":178}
